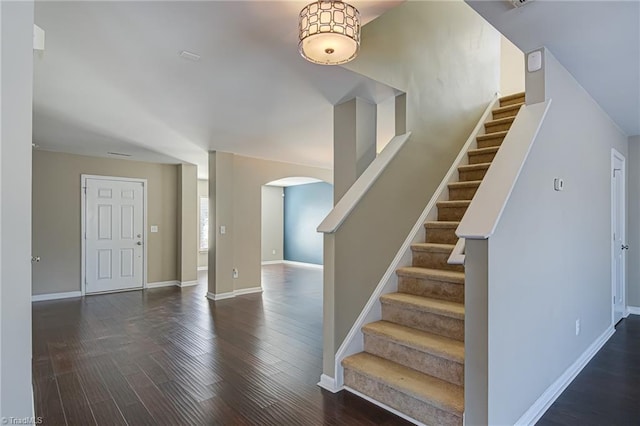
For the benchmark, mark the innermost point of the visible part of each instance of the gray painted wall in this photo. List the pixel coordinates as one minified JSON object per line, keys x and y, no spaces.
{"x":550,"y":256}
{"x":447,"y":60}
{"x":15,"y":210}
{"x":272,"y":223}
{"x":57,"y":223}
{"x":633,"y":218}
{"x":305,"y":206}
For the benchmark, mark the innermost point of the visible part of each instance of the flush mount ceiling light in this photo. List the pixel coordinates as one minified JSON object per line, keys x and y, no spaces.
{"x":329,"y":32}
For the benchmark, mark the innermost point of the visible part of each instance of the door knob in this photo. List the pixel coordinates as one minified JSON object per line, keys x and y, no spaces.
{"x":139,"y":243}
{"x":625,"y":247}
{"x":35,"y":258}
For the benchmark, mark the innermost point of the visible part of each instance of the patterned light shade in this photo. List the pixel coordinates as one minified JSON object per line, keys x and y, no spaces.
{"x":329,"y":32}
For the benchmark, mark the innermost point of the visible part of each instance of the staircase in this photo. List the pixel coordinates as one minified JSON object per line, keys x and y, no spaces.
{"x":413,"y":359}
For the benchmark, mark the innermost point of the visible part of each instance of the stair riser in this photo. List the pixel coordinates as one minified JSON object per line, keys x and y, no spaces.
{"x":518,"y":100}
{"x":441,"y":290}
{"x":426,"y":321}
{"x":441,"y":235}
{"x":492,"y":128}
{"x":469,"y":175}
{"x":404,"y":403}
{"x":432,"y":365}
{"x":434,"y":260}
{"x":451,"y":213}
{"x":482,"y":158}
{"x":462,"y":193}
{"x":490,"y":143}
{"x":505,"y":114}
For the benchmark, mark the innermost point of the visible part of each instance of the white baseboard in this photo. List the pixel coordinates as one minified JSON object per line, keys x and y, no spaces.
{"x":242,"y":291}
{"x":303,"y":264}
{"x":163,"y":284}
{"x":384,"y":406}
{"x":188,"y":283}
{"x":203,"y":268}
{"x":634,"y":310}
{"x":272,"y":262}
{"x":220,"y":296}
{"x":329,"y":383}
{"x":542,"y":404}
{"x":232,"y":294}
{"x":55,"y":296}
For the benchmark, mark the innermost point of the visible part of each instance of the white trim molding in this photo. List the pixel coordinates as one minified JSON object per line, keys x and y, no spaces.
{"x":187,"y":283}
{"x":633,"y":310}
{"x":329,"y":383}
{"x":159,"y":284}
{"x":272,"y":262}
{"x":55,"y":296}
{"x":542,"y":404}
{"x":303,"y":264}
{"x":234,"y":293}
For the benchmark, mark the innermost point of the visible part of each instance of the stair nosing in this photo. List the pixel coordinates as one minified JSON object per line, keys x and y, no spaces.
{"x":432,"y":247}
{"x":512,"y":96}
{"x":470,"y":167}
{"x":507,"y":108}
{"x":454,"y":203}
{"x":499,"y":121}
{"x":432,"y":273}
{"x":465,"y":184}
{"x":417,"y":303}
{"x":441,"y":224}
{"x":414,"y":387}
{"x":492,"y":135}
{"x":425,"y":340}
{"x":481,"y":151}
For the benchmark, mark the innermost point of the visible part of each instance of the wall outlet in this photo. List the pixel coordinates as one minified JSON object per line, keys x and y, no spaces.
{"x":578,"y":326}
{"x":235,"y":272}
{"x":273,"y":252}
{"x":154,"y":228}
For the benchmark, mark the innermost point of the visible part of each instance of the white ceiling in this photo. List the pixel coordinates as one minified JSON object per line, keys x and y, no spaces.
{"x":597,"y":41}
{"x":111,"y":79}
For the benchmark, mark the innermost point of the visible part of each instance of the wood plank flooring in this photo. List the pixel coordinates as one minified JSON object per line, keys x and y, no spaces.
{"x":169,"y":356}
{"x":607,"y":391}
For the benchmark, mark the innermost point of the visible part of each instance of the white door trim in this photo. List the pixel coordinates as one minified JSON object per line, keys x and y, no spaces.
{"x":83,"y":212}
{"x":615,"y":154}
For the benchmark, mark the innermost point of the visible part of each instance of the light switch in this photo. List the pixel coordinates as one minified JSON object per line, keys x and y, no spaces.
{"x":558,"y":184}
{"x":223,"y":229}
{"x":154,"y":228}
{"x":534,"y":61}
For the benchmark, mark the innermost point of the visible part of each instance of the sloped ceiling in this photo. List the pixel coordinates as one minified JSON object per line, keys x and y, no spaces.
{"x":597,"y":41}
{"x":111,"y":80}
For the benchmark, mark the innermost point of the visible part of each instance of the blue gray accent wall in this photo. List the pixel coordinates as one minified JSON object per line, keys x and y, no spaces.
{"x":305,"y":206}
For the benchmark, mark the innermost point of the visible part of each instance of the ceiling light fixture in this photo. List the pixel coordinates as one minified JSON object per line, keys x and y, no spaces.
{"x":329,"y":32}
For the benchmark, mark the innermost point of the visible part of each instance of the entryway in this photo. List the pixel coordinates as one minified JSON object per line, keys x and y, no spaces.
{"x":113,"y":237}
{"x":619,"y":246}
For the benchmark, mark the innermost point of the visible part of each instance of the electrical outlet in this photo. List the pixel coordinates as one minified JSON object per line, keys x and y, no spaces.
{"x":578,"y":326}
{"x":273,"y":252}
{"x":235,"y":272}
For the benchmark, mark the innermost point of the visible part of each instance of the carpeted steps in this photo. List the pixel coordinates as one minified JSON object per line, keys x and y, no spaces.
{"x":413,"y":359}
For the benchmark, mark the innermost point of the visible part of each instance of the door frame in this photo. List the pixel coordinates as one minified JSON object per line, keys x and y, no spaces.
{"x":83,"y":212}
{"x":615,"y":154}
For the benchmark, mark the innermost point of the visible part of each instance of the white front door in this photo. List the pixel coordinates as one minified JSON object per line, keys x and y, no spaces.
{"x":114,"y":226}
{"x":618,"y":229}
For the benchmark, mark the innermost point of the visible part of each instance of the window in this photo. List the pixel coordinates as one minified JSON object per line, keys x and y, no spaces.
{"x":204,"y":223}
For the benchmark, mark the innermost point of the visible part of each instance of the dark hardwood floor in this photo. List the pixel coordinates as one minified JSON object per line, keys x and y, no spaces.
{"x":607,"y":391}
{"x":170,"y":356}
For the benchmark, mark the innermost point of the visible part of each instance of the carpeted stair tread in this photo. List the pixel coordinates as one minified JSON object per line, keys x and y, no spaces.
{"x":482,"y":151}
{"x":494,"y":135}
{"x":428,"y":389}
{"x":433,"y":247}
{"x":513,"y":96}
{"x":470,"y":167}
{"x":499,"y":121}
{"x":508,"y":108}
{"x":468,"y":184}
{"x":433,"y":274}
{"x":425,"y":304}
{"x":433,"y":344}
{"x":442,"y":224}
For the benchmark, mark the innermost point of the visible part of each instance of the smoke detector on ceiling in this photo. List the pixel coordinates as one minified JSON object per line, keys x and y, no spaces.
{"x":190,"y":56}
{"x":520,"y":3}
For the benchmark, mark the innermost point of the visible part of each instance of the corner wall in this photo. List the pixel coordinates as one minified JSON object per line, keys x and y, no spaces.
{"x":633,"y":219}
{"x":56,"y":216}
{"x":272,"y":223}
{"x":550,"y":256}
{"x":447,"y":60}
